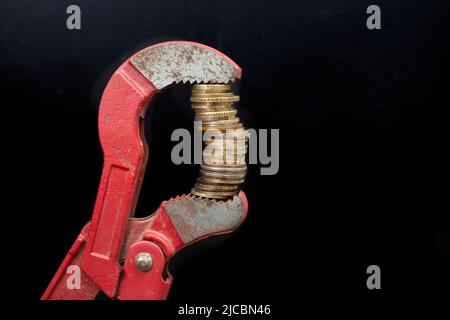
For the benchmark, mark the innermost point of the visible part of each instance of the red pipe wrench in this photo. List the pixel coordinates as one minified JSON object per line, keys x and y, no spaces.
{"x":126,"y":257}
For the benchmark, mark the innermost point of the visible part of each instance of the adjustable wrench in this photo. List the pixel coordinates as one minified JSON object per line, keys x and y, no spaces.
{"x":126,"y":257}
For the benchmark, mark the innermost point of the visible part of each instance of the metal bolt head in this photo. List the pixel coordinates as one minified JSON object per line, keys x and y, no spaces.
{"x":143,"y":261}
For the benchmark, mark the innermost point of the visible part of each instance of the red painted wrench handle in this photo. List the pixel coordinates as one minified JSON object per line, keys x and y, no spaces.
{"x":123,"y":105}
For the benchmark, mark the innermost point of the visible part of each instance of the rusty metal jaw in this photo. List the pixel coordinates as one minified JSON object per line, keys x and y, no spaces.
{"x":177,"y":223}
{"x":184,"y":62}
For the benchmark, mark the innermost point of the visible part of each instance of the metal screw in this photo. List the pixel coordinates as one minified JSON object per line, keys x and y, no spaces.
{"x":143,"y":261}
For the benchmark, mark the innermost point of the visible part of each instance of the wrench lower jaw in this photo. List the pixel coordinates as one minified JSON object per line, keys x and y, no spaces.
{"x":177,"y":223}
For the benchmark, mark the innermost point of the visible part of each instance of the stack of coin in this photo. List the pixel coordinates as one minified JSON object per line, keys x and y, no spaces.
{"x":223,"y":168}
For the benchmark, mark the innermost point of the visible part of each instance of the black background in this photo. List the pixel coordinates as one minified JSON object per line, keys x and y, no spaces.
{"x":364,"y":160}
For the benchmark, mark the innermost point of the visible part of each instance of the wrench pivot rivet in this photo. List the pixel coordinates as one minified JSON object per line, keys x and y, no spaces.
{"x":143,"y":261}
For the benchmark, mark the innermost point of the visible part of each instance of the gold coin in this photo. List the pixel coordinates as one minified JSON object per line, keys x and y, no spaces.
{"x":224,"y":174}
{"x":232,"y":177}
{"x":234,"y":150}
{"x":221,"y":180}
{"x":212,"y":118}
{"x":221,"y":152}
{"x":225,"y":166}
{"x":212,"y":105}
{"x":221,"y":122}
{"x":223,"y":148}
{"x":211,"y":95}
{"x":239,"y":168}
{"x":222,"y":161}
{"x":215,"y":99}
{"x":212,"y":194}
{"x":220,"y":113}
{"x":211,"y":87}
{"x":221,"y":128}
{"x":216,"y":187}
{"x":230,"y":159}
{"x":219,"y":107}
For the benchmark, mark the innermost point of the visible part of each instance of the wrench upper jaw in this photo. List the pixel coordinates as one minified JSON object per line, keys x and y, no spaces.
{"x":184,"y":62}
